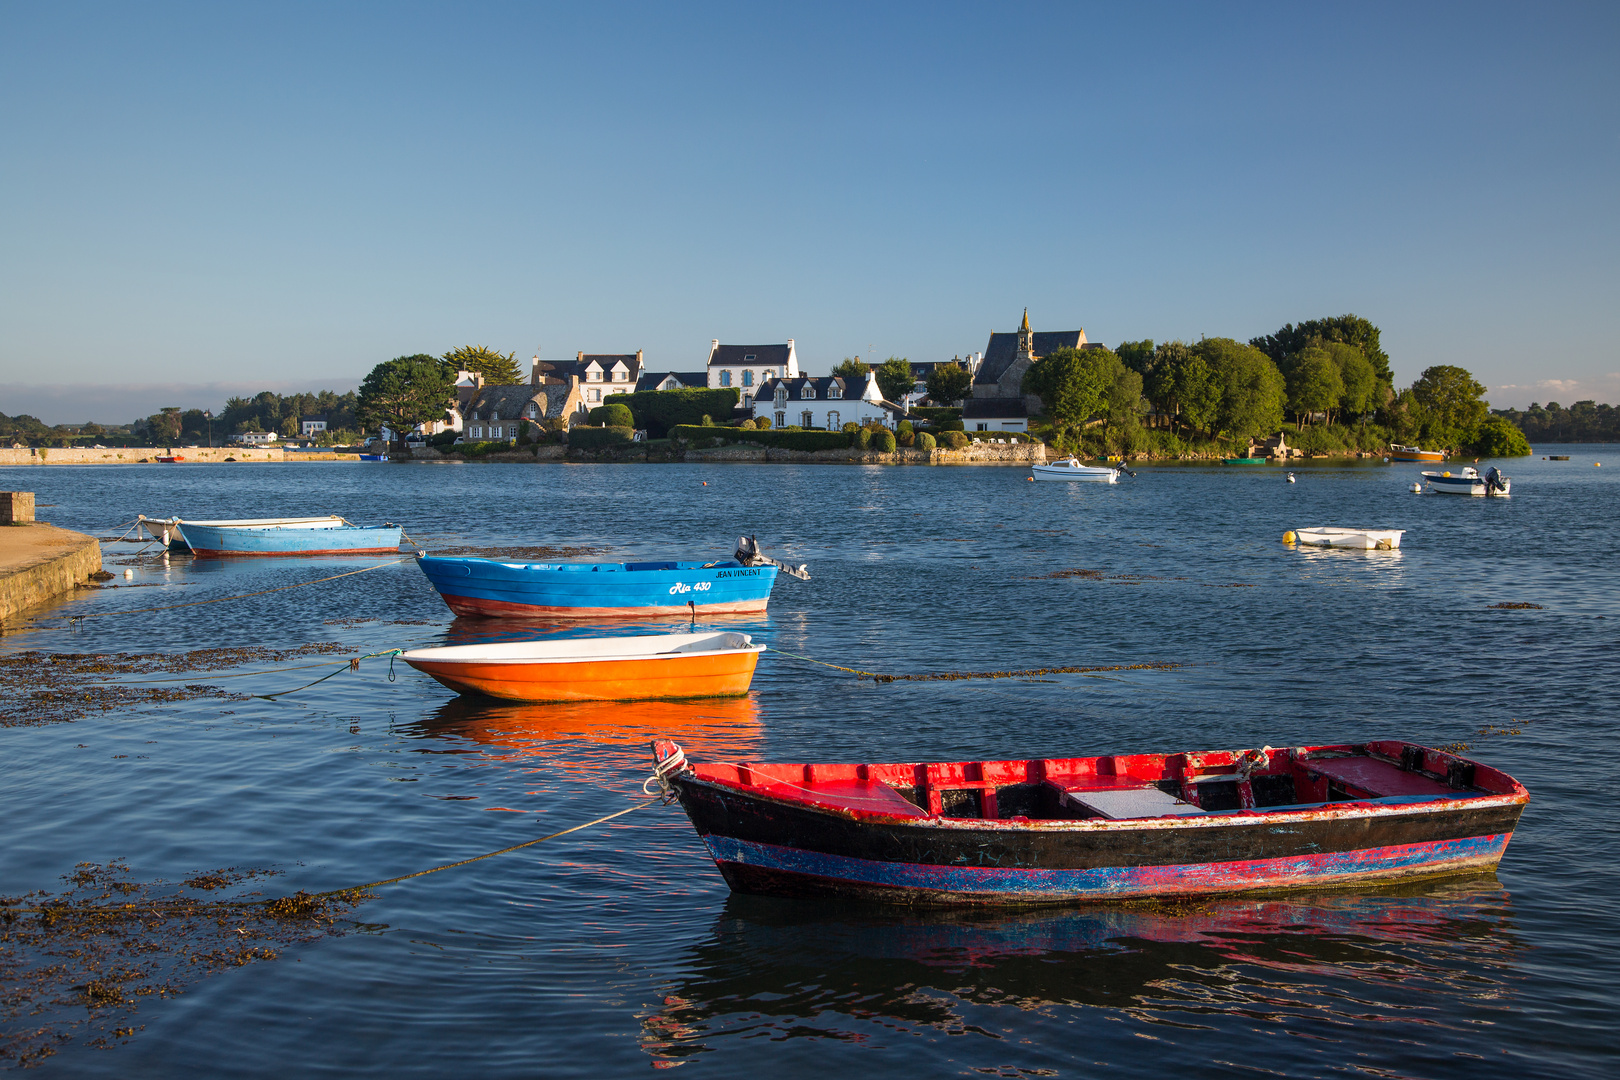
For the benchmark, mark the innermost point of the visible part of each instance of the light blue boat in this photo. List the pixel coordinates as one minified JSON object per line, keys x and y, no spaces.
{"x":492,"y":588}
{"x":339,"y":538}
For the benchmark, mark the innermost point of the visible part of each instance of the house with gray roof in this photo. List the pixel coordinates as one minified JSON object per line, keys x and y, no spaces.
{"x":673,"y":380}
{"x":1000,"y":374}
{"x":501,"y":412}
{"x":829,"y":402}
{"x":745,"y":367}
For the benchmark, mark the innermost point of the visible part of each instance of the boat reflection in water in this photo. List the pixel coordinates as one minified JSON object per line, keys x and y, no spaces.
{"x":1311,"y":965}
{"x":522,"y":730}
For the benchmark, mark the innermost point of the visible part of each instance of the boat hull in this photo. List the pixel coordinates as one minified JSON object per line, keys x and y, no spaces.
{"x":718,"y":674}
{"x":778,"y":850}
{"x":1412,"y":453}
{"x":1466,"y":485}
{"x":1083,"y":473}
{"x":489,"y":588}
{"x":342,"y":540}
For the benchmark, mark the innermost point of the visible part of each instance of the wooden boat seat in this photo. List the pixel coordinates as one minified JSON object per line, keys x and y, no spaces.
{"x":1142,"y":801}
{"x":867,"y":796}
{"x":1376,"y":777}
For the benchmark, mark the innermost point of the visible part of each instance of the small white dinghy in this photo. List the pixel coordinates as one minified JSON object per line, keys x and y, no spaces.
{"x":1359,"y":539}
{"x":1071,"y":469}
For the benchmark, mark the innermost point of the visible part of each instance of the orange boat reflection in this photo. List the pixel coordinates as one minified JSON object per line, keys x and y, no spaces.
{"x":715,"y":724}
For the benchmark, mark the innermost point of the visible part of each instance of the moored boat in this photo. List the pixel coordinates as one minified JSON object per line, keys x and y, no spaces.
{"x":495,"y":588}
{"x":169,"y":459}
{"x":1360,"y":539}
{"x":1397,"y":452}
{"x":1066,"y":830}
{"x":1243,"y":461}
{"x":1071,"y":469}
{"x":646,"y":666}
{"x":329,"y":539}
{"x":166,"y":530}
{"x":1470,"y":481}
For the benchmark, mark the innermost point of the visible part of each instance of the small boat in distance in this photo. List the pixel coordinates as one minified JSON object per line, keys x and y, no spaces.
{"x":373,"y":457}
{"x":1397,"y":452}
{"x":1470,"y":481}
{"x":643,"y":667}
{"x":1360,"y":539}
{"x":1243,"y":461}
{"x":169,"y":459}
{"x":1071,"y":469}
{"x":1070,"y":830}
{"x":494,"y":588}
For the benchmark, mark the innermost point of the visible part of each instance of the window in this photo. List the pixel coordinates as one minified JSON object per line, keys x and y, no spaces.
{"x":832,"y":421}
{"x":618,"y":375}
{"x":781,"y":395}
{"x":748,"y":378}
{"x":749,"y":358}
{"x":596,"y":395}
{"x":477,"y":432}
{"x":981,"y":427}
{"x":808,"y":391}
{"x":725,"y":378}
{"x":534,"y":410}
{"x":807,"y":419}
{"x":593,"y":376}
{"x":748,"y":401}
{"x":781,"y":419}
{"x":474,"y":415}
{"x":834,"y":391}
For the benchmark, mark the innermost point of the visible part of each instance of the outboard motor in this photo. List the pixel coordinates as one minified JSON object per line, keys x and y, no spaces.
{"x":748,"y":554}
{"x":1494,"y":481}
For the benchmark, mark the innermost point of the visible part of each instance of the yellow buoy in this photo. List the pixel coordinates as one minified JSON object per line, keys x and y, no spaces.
{"x":1446,"y":473}
{"x":1289,"y":537}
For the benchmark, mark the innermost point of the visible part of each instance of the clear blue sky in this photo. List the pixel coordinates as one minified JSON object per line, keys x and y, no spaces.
{"x":285,"y":195}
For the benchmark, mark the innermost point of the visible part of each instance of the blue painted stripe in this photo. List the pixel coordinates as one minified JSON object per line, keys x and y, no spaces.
{"x":600,"y":585}
{"x":1106,"y":882}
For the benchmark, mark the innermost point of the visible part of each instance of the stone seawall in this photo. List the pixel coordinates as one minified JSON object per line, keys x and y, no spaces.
{"x":39,"y":562}
{"x":136,"y":455}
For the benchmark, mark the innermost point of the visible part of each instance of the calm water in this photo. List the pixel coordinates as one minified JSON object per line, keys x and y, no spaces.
{"x":618,"y":949}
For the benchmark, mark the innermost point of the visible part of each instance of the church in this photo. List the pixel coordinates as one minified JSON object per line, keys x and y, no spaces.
{"x":997,"y":403}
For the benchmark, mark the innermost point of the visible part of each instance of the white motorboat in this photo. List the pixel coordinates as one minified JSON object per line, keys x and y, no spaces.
{"x":1470,"y":481}
{"x":1359,"y":539}
{"x":1071,"y":469}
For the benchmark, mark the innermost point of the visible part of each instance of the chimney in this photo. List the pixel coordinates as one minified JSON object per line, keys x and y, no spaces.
{"x":581,"y":356}
{"x":534,"y":371}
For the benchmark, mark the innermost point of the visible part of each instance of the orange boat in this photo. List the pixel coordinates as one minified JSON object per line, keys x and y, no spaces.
{"x":1397,"y":452}
{"x":647,"y":666}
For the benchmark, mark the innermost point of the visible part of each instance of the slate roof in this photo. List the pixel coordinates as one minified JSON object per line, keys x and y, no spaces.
{"x":847,"y":389}
{"x":509,"y":402}
{"x":606,"y":361}
{"x":763,"y":356}
{"x":1003,"y":350}
{"x":994,"y":408}
{"x":693,"y":380}
{"x":561,"y":369}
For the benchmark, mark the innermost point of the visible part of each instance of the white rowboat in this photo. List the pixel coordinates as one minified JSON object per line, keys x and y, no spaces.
{"x":1360,"y":539}
{"x":1470,"y":481}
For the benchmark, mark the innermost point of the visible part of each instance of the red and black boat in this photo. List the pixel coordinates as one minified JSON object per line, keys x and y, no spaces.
{"x":1064,"y":830}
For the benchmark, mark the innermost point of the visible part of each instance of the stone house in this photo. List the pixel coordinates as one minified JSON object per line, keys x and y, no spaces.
{"x":1000,"y":374}
{"x":501,"y":412}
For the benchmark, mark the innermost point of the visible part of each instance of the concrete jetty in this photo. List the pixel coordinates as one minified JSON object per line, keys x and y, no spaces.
{"x":39,"y":562}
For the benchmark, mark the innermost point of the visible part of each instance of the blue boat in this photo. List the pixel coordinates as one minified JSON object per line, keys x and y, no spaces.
{"x":491,"y":588}
{"x":325,"y":539}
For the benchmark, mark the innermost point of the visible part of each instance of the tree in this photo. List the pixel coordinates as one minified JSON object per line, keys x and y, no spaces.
{"x":1314,"y":384}
{"x":406,"y":391}
{"x":948,"y":383}
{"x":1347,"y":329}
{"x":1360,"y":380}
{"x":1139,"y":356}
{"x":164,"y":427}
{"x":1197,"y":393}
{"x":894,"y":378}
{"x":1252,"y":390}
{"x":1122,"y":401}
{"x":851,"y":369}
{"x":496,"y":369}
{"x":1453,"y":404}
{"x":1497,"y":436}
{"x":1069,"y":384}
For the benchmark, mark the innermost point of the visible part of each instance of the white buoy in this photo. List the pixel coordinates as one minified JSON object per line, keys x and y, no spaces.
{"x":1291,"y":478}
{"x":129,"y":573}
{"x":1417,"y":489}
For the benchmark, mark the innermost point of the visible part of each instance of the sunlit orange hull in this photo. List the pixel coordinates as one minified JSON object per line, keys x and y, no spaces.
{"x":725,"y":674}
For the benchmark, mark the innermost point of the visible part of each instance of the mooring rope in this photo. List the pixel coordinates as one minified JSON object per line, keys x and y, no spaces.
{"x":951,"y":676}
{"x":222,"y":599}
{"x":301,"y":900}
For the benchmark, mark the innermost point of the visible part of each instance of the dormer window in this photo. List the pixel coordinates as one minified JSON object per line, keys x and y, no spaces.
{"x":781,"y":394}
{"x":618,"y":375}
{"x":534,"y":410}
{"x":474,"y":415}
{"x":835,"y":391}
{"x":593,"y":375}
{"x":808,"y":392}
{"x":749,"y":359}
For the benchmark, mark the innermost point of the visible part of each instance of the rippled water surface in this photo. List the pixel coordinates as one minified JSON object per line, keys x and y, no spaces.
{"x":618,"y":948}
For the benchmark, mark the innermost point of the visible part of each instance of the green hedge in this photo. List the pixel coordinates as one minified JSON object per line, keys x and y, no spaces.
{"x":591,"y":438}
{"x":660,"y":410}
{"x":613,"y":414}
{"x":785,"y":440}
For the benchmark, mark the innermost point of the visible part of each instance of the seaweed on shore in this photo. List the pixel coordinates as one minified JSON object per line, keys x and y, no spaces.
{"x":84,"y":961}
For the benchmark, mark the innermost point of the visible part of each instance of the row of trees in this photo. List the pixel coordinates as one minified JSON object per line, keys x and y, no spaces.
{"x":1584,"y":421}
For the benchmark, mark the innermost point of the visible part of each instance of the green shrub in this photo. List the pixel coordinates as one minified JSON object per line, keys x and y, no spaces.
{"x":883,"y":441}
{"x":592,"y":438}
{"x":613,"y":414}
{"x":762,"y":423}
{"x":1500,"y":437}
{"x":861,"y":438}
{"x":850,"y":425}
{"x":443,"y":439}
{"x":925,"y":441}
{"x":955,"y":440}
{"x":906,"y":438}
{"x":950,"y":425}
{"x":660,"y":410}
{"x":903,"y":428}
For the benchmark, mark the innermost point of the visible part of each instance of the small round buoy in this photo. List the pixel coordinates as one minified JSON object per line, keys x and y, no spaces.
{"x":1031,"y":479}
{"x":1597,"y":464}
{"x":1289,"y":537}
{"x":129,"y":573}
{"x":1446,"y":473}
{"x":1417,"y":489}
{"x":705,"y":483}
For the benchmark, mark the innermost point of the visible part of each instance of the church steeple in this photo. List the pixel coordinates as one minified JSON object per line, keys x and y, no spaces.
{"x":1025,"y":328}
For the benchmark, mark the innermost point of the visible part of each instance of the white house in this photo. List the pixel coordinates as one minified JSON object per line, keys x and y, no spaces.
{"x":746,"y":367}
{"x":995,"y":414}
{"x":255,"y":438}
{"x":829,"y":402}
{"x":311,"y":426}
